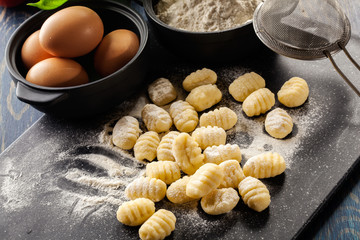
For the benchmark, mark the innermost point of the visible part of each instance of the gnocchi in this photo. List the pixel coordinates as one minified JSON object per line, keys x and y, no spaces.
{"x":223,"y":117}
{"x":176,"y":192}
{"x":254,"y":194}
{"x":204,"y":97}
{"x":209,"y":136}
{"x":265,"y":165}
{"x":158,"y":226}
{"x":220,"y":201}
{"x":258,"y":102}
{"x":146,"y":187}
{"x":184,"y":116}
{"x":155,"y":118}
{"x":125,"y":133}
{"x":161,"y":91}
{"x":146,"y":146}
{"x":294,"y":92}
{"x":244,"y":85}
{"x":278,"y":123}
{"x":166,"y":171}
{"x":135,"y":212}
{"x":164,"y":150}
{"x":233,"y":174}
{"x":198,"y":78}
{"x":221,"y":153}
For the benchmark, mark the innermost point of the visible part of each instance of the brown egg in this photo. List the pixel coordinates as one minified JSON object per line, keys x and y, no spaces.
{"x":32,"y":52}
{"x":57,"y":72}
{"x":115,"y":50}
{"x":71,"y":32}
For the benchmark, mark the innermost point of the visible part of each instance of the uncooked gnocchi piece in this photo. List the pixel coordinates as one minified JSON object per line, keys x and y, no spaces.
{"x":184,"y":116}
{"x":161,"y":91}
{"x":135,"y":212}
{"x":278,"y":123}
{"x":220,"y":201}
{"x":254,"y":194}
{"x":258,"y":102}
{"x":187,"y":153}
{"x":204,"y":97}
{"x":207,"y":178}
{"x":209,"y":136}
{"x":265,"y":165}
{"x":176,"y":192}
{"x":198,"y":78}
{"x":244,"y":85}
{"x":164,"y":150}
{"x":145,"y":187}
{"x":167,"y":171}
{"x":233,"y":174}
{"x":223,"y":117}
{"x":158,"y":226}
{"x":155,"y":118}
{"x":146,"y":146}
{"x":294,"y":92}
{"x":125,"y":133}
{"x":221,"y":153}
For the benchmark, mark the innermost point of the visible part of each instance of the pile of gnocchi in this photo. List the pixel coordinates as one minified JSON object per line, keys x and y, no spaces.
{"x":194,"y":162}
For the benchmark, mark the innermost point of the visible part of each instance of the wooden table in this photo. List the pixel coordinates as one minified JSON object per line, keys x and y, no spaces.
{"x":341,"y":218}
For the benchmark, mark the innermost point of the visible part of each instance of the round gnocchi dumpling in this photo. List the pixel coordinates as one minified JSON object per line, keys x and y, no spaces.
{"x":258,"y":102}
{"x":218,"y":154}
{"x":278,"y":123}
{"x":233,"y":174}
{"x":200,"y":77}
{"x":204,"y":97}
{"x":155,"y":118}
{"x":265,"y":165}
{"x":164,"y":150}
{"x":223,"y":117}
{"x":220,"y":201}
{"x":145,"y":187}
{"x":135,"y":212}
{"x":146,"y":146}
{"x":162,"y":92}
{"x":209,"y":136}
{"x":176,"y":192}
{"x":166,"y":171}
{"x":125,"y":132}
{"x":158,"y":226}
{"x":294,"y":92}
{"x":244,"y":85}
{"x":254,"y":194}
{"x":184,"y":116}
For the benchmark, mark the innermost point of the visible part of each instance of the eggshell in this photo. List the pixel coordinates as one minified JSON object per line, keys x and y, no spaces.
{"x":115,"y":50}
{"x":71,"y":32}
{"x":32,"y":52}
{"x":57,"y":72}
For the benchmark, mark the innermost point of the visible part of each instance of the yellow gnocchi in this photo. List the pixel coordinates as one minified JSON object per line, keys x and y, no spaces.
{"x":254,"y":194}
{"x":209,"y":136}
{"x":294,"y":92}
{"x":200,"y":77}
{"x":220,"y":201}
{"x":207,"y":178}
{"x":244,"y":85}
{"x":258,"y":102}
{"x":221,"y":153}
{"x":187,"y":153}
{"x":164,"y":150}
{"x":223,"y":117}
{"x":204,"y":97}
{"x":166,"y":171}
{"x":158,"y":226}
{"x":176,"y":192}
{"x":161,"y":91}
{"x":184,"y":116}
{"x":125,"y":132}
{"x":135,"y":212}
{"x":265,"y":165}
{"x":146,"y":146}
{"x":145,"y":187}
{"x":278,"y":123}
{"x":155,"y":118}
{"x":233,"y":174}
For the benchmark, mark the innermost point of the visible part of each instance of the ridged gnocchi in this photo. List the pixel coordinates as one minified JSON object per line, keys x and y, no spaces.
{"x":207,"y":178}
{"x":161,"y":91}
{"x":164,"y":150}
{"x":184,"y":116}
{"x":200,"y":77}
{"x":155,"y":118}
{"x":166,"y":171}
{"x":244,"y":85}
{"x":258,"y":102}
{"x":233,"y":174}
{"x":125,"y":132}
{"x":254,"y":194}
{"x":146,"y":146}
{"x":265,"y":165}
{"x":278,"y":123}
{"x":158,"y":226}
{"x":221,"y":153}
{"x":187,"y":153}
{"x":223,"y":117}
{"x":209,"y":136}
{"x":145,"y":187}
{"x":294,"y":92}
{"x":176,"y":192}
{"x":135,"y":212}
{"x":204,"y":97}
{"x":220,"y":201}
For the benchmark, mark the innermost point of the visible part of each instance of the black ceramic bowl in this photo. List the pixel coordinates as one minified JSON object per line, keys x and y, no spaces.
{"x":100,"y":94}
{"x":219,"y":46}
